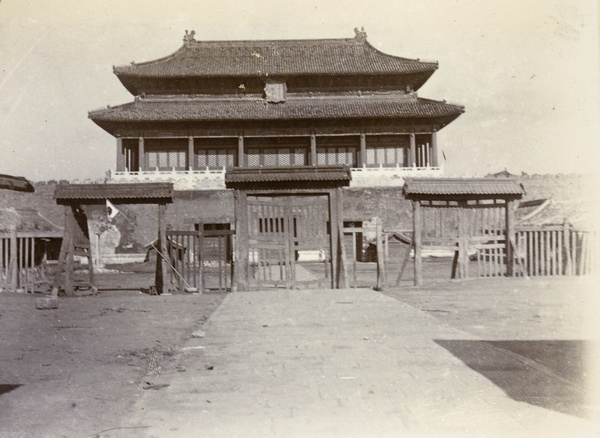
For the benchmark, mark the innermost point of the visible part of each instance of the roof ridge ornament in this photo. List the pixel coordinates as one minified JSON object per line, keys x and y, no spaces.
{"x":188,"y":38}
{"x":360,"y":35}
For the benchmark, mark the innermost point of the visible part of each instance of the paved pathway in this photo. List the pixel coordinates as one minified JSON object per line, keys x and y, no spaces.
{"x":332,"y":363}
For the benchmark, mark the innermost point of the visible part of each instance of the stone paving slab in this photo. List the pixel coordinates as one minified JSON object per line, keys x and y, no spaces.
{"x":333,"y":363}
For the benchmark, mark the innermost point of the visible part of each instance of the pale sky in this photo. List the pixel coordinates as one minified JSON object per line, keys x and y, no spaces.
{"x":527,"y":72}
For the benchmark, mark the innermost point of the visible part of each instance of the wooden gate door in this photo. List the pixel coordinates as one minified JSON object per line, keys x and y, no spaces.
{"x":289,"y":241}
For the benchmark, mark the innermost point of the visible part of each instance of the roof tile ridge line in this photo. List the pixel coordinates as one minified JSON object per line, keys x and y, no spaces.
{"x":418,"y":60}
{"x":109,"y":108}
{"x":250,"y":43}
{"x":443,"y":101}
{"x":123,"y":68}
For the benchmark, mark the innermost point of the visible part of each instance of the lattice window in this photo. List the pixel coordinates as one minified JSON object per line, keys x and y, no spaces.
{"x":387,"y":151}
{"x":215,"y":158}
{"x":329,"y":156}
{"x":276,"y":156}
{"x":166,"y":159}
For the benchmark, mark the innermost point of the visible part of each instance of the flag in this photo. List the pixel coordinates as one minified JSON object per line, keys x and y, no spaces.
{"x":111,"y":210}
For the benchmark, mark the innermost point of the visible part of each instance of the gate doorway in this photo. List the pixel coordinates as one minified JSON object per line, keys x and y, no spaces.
{"x":289,"y":241}
{"x":289,"y":228}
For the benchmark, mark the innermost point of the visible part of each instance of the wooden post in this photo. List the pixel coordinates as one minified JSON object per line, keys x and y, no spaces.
{"x":343,"y":265}
{"x":433,"y":159}
{"x":120,"y":155}
{"x":363,"y":150}
{"x":334,"y":236}
{"x":141,"y":155}
{"x":191,"y":164}
{"x":159,"y":278}
{"x":417,"y":227}
{"x":413,"y":150}
{"x":13,"y":268}
{"x":510,"y":237}
{"x":241,"y":276}
{"x":380,"y":255}
{"x":313,"y":150}
{"x":241,"y":161}
{"x":567,"y":246}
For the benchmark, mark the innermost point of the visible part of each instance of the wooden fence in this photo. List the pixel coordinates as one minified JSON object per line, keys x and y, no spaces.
{"x":555,"y":250}
{"x":201,"y":259}
{"x":22,"y":260}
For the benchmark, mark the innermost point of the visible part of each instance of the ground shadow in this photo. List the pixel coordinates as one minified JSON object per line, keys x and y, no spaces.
{"x":4,"y":388}
{"x":548,"y":374}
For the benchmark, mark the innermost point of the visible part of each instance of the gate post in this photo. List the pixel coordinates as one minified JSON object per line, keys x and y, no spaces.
{"x":240,"y":270}
{"x":417,"y":225}
{"x":159,"y":278}
{"x":13,"y":270}
{"x":510,"y":237}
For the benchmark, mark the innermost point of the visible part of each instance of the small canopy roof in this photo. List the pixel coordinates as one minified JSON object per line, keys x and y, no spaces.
{"x":140,"y":193}
{"x":288,"y":177}
{"x":462,"y":188}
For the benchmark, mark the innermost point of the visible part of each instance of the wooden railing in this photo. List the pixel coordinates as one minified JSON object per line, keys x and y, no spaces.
{"x":21,"y":268}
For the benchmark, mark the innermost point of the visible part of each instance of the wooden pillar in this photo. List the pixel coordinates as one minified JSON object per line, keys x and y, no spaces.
{"x":334,"y":236}
{"x":417,"y":228}
{"x":567,"y":246}
{"x":433,"y":158}
{"x":313,"y":150}
{"x":510,"y":237}
{"x":342,"y":263}
{"x":240,"y":272}
{"x":141,"y":155}
{"x":241,"y":161}
{"x":380,"y":255}
{"x":463,"y":242}
{"x":120,"y":155}
{"x":362,"y":161}
{"x":191,"y":164}
{"x":13,"y":269}
{"x":159,"y":279}
{"x":413,"y":150}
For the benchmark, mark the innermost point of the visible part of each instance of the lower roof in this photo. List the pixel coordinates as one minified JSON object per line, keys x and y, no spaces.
{"x":17,"y":183}
{"x":242,"y":109}
{"x":238,"y":177}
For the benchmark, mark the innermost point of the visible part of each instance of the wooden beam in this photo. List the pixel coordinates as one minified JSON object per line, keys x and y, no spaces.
{"x":120,"y":155}
{"x":510,"y":237}
{"x":313,"y":150}
{"x":241,"y":156}
{"x":13,"y":270}
{"x":141,"y":155}
{"x":362,"y":161}
{"x":159,"y":279}
{"x":417,"y":228}
{"x":413,"y":150}
{"x":433,"y":159}
{"x":240,"y":256}
{"x":191,"y":164}
{"x":380,"y":255}
{"x":343,"y":265}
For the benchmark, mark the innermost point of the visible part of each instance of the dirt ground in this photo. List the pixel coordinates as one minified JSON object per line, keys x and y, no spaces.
{"x":76,"y":371}
{"x":79,"y":369}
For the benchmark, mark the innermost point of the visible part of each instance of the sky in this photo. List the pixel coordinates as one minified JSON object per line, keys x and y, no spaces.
{"x":527,"y":72}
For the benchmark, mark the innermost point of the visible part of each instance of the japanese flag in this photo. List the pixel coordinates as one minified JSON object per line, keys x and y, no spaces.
{"x":111,"y":210}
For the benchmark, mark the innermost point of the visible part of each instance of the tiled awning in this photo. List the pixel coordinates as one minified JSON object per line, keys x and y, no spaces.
{"x":149,"y":193}
{"x":462,"y":188}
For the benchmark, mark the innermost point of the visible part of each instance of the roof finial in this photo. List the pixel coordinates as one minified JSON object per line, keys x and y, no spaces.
{"x":360,"y":35}
{"x":189,"y":37}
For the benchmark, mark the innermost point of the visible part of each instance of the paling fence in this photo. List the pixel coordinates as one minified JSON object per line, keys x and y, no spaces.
{"x":555,"y":250}
{"x":559,"y":250}
{"x":22,"y":260}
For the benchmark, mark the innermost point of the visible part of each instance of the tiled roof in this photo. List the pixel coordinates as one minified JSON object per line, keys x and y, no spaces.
{"x":427,"y":187}
{"x":17,"y":183}
{"x":198,"y":109}
{"x":135,"y":191}
{"x":287,"y":174}
{"x":349,"y":56}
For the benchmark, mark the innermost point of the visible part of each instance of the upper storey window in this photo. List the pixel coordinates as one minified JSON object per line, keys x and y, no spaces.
{"x":166,"y":154}
{"x":275,"y":91}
